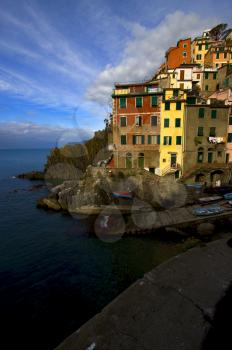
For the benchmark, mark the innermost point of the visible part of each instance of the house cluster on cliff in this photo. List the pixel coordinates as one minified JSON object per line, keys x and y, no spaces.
{"x":182,"y":117}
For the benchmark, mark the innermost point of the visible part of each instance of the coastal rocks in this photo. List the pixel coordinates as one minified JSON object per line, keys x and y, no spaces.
{"x":32,"y":175}
{"x":60,"y":172}
{"x":49,"y":203}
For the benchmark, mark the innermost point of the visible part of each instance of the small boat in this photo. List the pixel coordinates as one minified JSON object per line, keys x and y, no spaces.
{"x":205,"y":200}
{"x":196,"y":186}
{"x":126,"y":195}
{"x":228,"y":196}
{"x":208,"y":211}
{"x":221,"y":190}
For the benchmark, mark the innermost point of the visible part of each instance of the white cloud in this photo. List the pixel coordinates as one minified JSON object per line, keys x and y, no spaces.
{"x":145,"y":52}
{"x":29,"y":134}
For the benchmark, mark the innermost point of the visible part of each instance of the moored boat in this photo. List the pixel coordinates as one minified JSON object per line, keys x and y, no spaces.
{"x":126,"y":195}
{"x":228,"y":196}
{"x":206,"y":200}
{"x":208,"y":211}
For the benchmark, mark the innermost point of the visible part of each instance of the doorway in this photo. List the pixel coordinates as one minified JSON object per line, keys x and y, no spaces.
{"x":173,"y":160}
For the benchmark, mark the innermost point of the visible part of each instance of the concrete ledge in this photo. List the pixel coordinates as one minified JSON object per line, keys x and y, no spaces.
{"x":170,"y":308}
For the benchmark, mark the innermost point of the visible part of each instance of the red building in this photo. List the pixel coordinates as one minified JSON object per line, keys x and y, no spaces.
{"x":181,"y":54}
{"x":136,"y":125}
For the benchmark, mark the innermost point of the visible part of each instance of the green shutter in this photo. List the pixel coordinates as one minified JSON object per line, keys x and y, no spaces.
{"x":177,"y":122}
{"x":149,"y":139}
{"x":178,"y":105}
{"x":214,"y":114}
{"x":230,"y":120}
{"x":206,"y":75}
{"x":215,"y":75}
{"x":206,"y":46}
{"x":134,"y":139}
{"x":143,"y":139}
{"x":229,"y":139}
{"x":139,"y":102}
{"x":201,"y":113}
{"x":200,"y":131}
{"x":123,"y":139}
{"x":166,"y":123}
{"x":206,"y":87}
{"x":154,"y":101}
{"x":167,"y":106}
{"x":170,"y":140}
{"x":158,"y":139}
{"x":165,"y":140}
{"x":178,"y":140}
{"x":122,"y":102}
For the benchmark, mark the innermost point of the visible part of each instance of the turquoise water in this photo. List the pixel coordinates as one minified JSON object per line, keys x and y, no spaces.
{"x":54,"y":276}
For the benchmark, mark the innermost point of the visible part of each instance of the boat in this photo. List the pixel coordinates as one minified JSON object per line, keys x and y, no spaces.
{"x":208,"y":211}
{"x":126,"y":195}
{"x":228,"y":196}
{"x":196,"y":186}
{"x":220,"y":190}
{"x":205,"y":200}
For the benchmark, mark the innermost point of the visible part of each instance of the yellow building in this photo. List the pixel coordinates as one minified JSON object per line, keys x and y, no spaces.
{"x":171,"y":132}
{"x":200,"y":47}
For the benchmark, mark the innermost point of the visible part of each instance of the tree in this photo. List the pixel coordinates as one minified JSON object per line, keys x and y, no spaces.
{"x":218,"y":32}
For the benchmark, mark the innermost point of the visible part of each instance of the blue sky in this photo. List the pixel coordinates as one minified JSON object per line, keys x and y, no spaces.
{"x":59,"y":59}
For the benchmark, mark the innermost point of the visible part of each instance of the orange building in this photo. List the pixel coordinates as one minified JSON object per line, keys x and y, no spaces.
{"x":181,"y":54}
{"x":136,"y":125}
{"x":219,"y":54}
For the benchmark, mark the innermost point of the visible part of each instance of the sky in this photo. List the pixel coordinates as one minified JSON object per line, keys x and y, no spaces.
{"x":59,"y":59}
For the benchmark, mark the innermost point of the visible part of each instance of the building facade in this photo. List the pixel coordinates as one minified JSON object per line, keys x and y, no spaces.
{"x":219,"y":53}
{"x":136,"y":125}
{"x":205,"y":135}
{"x":178,"y":55}
{"x":200,"y":47}
{"x":171,"y":132}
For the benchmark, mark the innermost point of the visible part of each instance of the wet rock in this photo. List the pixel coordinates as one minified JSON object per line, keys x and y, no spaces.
{"x":32,"y":175}
{"x":48,"y":203}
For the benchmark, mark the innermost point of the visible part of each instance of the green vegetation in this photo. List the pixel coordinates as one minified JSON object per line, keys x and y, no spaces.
{"x":81,"y":155}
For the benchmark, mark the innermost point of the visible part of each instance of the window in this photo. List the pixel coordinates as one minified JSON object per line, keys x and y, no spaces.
{"x":178,"y":140}
{"x":214,"y":75}
{"x":123,"y":121}
{"x":153,"y":139}
{"x":213,"y":114}
{"x":177,"y":122}
{"x":200,"y":47}
{"x":229,"y":138}
{"x":200,"y":155}
{"x":167,"y":106}
{"x":185,"y":45}
{"x":217,"y":55}
{"x":139,"y":102}
{"x":198,"y":76}
{"x":206,"y":87}
{"x":154,"y":120}
{"x":178,"y":105}
{"x":175,"y":92}
{"x":206,"y":46}
{"x":198,"y":57}
{"x":184,"y":54}
{"x":225,"y":54}
{"x":167,"y":140}
{"x":166,"y":122}
{"x":201,"y":113}
{"x":219,"y":154}
{"x":200,"y":131}
{"x":212,"y":131}
{"x":138,"y":139}
{"x":122,"y":102}
{"x":230,"y":120}
{"x":123,"y":139}
{"x":154,"y":101}
{"x":138,"y":120}
{"x":206,"y":75}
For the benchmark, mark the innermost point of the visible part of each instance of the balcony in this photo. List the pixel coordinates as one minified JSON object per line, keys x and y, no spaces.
{"x":216,"y":140}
